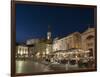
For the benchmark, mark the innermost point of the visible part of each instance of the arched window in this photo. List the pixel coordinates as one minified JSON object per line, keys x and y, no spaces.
{"x":77,"y":39}
{"x":89,"y":40}
{"x":90,"y":37}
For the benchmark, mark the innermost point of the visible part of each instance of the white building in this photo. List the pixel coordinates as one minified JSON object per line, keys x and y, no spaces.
{"x":71,"y":41}
{"x":32,"y":41}
{"x":22,"y":51}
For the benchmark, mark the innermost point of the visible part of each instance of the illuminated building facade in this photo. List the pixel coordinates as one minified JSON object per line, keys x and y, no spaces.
{"x":32,"y":41}
{"x":40,"y":49}
{"x":88,"y":41}
{"x":31,"y":50}
{"x":32,"y":45}
{"x":22,"y":51}
{"x":75,"y":46}
{"x":71,"y":41}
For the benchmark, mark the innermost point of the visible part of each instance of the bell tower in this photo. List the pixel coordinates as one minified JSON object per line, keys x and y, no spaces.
{"x":49,"y":41}
{"x":49,"y":33}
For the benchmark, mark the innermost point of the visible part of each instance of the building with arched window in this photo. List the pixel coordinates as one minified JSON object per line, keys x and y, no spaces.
{"x":71,"y":41}
{"x":88,"y":41}
{"x":84,"y":41}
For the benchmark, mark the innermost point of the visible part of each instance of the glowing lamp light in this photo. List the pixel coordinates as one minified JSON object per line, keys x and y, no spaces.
{"x":21,"y":52}
{"x":18,"y":52}
{"x":24,"y":52}
{"x":47,"y":51}
{"x":37,"y":54}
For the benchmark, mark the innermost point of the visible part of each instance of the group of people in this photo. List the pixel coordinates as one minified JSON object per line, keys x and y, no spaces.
{"x":84,"y":62}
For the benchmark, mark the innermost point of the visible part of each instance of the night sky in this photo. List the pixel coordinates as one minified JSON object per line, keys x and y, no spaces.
{"x":32,"y":20}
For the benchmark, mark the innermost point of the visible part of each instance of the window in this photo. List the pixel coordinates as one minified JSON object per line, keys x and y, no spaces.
{"x":68,"y":46}
{"x":19,"y":49}
{"x":90,"y":44}
{"x":91,"y":52}
{"x":90,"y":37}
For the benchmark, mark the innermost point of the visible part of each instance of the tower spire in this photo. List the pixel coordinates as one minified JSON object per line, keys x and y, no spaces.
{"x":49,"y":28}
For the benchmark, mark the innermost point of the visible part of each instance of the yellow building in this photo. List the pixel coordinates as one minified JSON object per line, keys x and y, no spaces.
{"x":88,"y":41}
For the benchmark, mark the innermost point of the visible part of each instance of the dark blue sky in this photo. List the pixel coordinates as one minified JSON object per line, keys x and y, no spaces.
{"x":32,"y":20}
